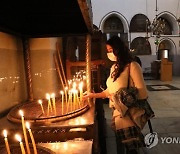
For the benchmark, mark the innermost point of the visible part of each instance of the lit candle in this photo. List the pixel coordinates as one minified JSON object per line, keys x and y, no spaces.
{"x":24,"y":131}
{"x":74,"y":98}
{"x":40,"y":102}
{"x":54,"y":102}
{"x":70,"y":99}
{"x":6,"y":141}
{"x":32,"y":137}
{"x":81,"y":90}
{"x":18,"y":137}
{"x":77,"y":99}
{"x":49,"y":103}
{"x":69,"y":83}
{"x":66,"y":89}
{"x":74,"y":85}
{"x":62,"y":93}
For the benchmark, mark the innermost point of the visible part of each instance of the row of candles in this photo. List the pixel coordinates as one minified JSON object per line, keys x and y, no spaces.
{"x":69,"y":96}
{"x":72,"y":98}
{"x":25,"y":125}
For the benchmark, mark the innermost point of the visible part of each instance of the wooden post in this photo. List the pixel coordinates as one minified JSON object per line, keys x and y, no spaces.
{"x":26,"y":49}
{"x":88,"y":63}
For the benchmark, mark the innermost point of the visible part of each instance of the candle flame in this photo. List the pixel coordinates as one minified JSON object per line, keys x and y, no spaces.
{"x":18,"y":137}
{"x":69,"y":82}
{"x":75,"y":91}
{"x":40,"y":101}
{"x":21,"y":113}
{"x":52,"y":95}
{"x":28,"y":125}
{"x":66,"y":88}
{"x":80,"y":85}
{"x":5,"y":133}
{"x":62,"y":92}
{"x":74,"y":85}
{"x":47,"y":96}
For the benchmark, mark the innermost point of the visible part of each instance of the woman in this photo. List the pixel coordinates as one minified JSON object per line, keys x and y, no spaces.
{"x":123,"y":69}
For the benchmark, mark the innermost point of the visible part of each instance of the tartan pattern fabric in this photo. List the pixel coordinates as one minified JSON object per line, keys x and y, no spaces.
{"x":131,"y":137}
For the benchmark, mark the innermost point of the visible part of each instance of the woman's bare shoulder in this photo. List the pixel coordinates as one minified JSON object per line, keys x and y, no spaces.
{"x":135,"y":65}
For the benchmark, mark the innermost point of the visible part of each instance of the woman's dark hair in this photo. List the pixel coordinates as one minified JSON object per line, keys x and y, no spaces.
{"x":121,"y":51}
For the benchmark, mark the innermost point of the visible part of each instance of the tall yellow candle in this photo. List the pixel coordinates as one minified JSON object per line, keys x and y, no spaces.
{"x":32,"y":137}
{"x":74,"y":85}
{"x":6,"y":141}
{"x":49,"y":102}
{"x":77,"y":99}
{"x":24,"y":131}
{"x":18,"y":137}
{"x":70,"y":99}
{"x":40,"y":102}
{"x":74,"y":99}
{"x":81,"y":90}
{"x":54,"y":102}
{"x":66,"y":89}
{"x":62,"y":93}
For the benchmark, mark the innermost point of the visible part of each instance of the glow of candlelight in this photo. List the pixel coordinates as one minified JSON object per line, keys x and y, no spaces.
{"x":69,"y":83}
{"x":81,"y":90}
{"x":49,"y":102}
{"x":40,"y":102}
{"x":5,"y":133}
{"x":65,"y":146}
{"x":74,"y":85}
{"x":32,"y":137}
{"x":6,"y":141}
{"x":21,"y":113}
{"x":18,"y":137}
{"x":24,"y":131}
{"x":66,"y":89}
{"x":70,"y":99}
{"x":54,"y":102}
{"x":74,"y":98}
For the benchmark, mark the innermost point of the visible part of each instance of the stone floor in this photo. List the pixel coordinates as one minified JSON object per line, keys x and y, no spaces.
{"x":166,"y":105}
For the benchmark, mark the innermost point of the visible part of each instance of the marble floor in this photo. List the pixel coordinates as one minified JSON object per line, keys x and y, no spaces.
{"x":166,"y":123}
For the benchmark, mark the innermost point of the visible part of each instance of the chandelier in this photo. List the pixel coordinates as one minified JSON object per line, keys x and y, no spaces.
{"x":157,"y":27}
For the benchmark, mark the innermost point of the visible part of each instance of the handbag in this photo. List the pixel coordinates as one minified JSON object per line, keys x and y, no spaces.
{"x":138,"y":110}
{"x":128,"y":96}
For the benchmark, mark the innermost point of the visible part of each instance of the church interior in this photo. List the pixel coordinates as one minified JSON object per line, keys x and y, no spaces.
{"x":54,"y":52}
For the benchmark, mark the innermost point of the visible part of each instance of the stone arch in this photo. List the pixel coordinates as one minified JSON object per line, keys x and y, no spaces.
{"x":172,"y":20}
{"x":139,"y":23}
{"x":120,"y":17}
{"x":141,"y":46}
{"x":167,"y":43}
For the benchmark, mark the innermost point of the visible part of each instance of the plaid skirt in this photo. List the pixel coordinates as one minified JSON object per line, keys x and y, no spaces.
{"x":131,"y":137}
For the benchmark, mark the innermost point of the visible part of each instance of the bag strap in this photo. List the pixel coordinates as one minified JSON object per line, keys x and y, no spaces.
{"x":128,"y":83}
{"x":150,"y":126}
{"x":129,"y":75}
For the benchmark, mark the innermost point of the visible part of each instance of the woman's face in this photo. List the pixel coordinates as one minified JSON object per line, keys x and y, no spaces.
{"x":110,"y":53}
{"x":109,"y":48}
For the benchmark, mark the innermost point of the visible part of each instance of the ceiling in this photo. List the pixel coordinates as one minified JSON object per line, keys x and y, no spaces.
{"x":45,"y":18}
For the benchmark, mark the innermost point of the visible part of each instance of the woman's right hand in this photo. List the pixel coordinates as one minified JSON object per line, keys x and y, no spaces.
{"x":88,"y":95}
